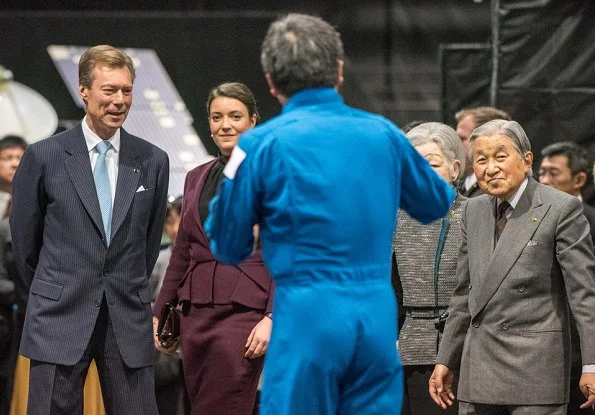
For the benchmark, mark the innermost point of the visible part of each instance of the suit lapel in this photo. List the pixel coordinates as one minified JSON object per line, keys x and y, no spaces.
{"x":129,"y":173}
{"x":78,"y":166}
{"x":481,"y":241}
{"x":521,"y":226}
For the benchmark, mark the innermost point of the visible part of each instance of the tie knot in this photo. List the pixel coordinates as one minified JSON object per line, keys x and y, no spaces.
{"x":103,"y":146}
{"x":502,"y":208}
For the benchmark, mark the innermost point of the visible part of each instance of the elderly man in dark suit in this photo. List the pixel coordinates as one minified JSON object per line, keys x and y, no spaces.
{"x":526,"y":256}
{"x":87,"y":219}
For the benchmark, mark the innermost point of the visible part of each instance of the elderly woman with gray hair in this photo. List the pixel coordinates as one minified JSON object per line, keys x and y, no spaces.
{"x":424,"y":269}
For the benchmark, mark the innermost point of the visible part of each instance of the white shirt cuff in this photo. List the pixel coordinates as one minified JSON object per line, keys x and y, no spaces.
{"x":589,"y":369}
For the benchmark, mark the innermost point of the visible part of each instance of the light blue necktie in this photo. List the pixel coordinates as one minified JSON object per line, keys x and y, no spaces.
{"x":104,"y":189}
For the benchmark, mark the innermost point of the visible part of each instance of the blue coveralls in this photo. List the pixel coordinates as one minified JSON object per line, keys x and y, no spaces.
{"x":325,"y":181}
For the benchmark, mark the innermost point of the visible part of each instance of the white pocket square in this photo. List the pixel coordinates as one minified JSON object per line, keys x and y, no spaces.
{"x":141,"y":189}
{"x":533,"y":243}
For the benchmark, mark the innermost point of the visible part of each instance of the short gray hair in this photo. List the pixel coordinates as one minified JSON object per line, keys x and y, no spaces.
{"x":301,"y":52}
{"x":511,"y":129}
{"x":445,"y":137}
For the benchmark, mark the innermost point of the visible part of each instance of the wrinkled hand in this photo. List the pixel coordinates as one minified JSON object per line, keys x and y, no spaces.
{"x":440,"y":386}
{"x":258,"y":340}
{"x":587,"y":386}
{"x":169,"y":350}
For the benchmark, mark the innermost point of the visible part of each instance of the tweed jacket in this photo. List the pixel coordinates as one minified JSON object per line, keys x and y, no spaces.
{"x":424,"y":278}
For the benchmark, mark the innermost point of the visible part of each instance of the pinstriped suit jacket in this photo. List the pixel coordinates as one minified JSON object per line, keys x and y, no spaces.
{"x":59,"y":245}
{"x":508,"y":330}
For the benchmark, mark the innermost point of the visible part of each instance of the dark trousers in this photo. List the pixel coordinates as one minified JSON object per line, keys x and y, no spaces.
{"x":58,"y":389}
{"x":417,"y":400}
{"x":11,"y":327}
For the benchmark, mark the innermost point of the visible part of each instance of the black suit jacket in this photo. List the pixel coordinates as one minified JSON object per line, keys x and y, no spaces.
{"x":589,"y":212}
{"x":59,"y":245}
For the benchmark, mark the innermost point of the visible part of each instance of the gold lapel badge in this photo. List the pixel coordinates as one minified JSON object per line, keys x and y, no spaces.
{"x":533,"y":219}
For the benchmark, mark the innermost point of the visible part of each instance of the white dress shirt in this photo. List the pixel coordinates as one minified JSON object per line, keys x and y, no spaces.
{"x":111,"y":157}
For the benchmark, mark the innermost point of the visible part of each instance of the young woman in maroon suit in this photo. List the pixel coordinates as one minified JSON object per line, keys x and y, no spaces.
{"x":226,"y":320}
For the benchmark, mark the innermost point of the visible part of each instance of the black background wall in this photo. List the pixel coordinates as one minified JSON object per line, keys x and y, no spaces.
{"x":392,"y":46}
{"x":545,"y":76}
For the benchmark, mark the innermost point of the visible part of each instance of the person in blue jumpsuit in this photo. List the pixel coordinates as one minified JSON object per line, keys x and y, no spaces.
{"x":324,"y":182}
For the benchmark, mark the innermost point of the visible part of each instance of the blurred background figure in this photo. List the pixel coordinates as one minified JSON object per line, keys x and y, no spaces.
{"x":170,"y":390}
{"x":227,"y":310}
{"x":424,"y":269}
{"x":467,"y":121}
{"x":13,"y":291}
{"x":565,"y":166}
{"x":170,"y":230}
{"x":410,"y":125}
{"x":7,"y":330}
{"x":12,"y":148}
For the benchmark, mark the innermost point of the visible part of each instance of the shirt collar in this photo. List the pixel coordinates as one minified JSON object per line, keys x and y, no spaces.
{"x":312,"y":96}
{"x":470,"y":181}
{"x":93,"y":139}
{"x":514,"y":200}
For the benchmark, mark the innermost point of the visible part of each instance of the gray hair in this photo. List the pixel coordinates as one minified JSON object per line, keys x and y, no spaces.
{"x":445,"y":137}
{"x":301,"y":52}
{"x":511,"y":129}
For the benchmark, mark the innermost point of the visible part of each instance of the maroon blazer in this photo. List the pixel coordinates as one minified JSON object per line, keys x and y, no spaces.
{"x":193,"y":273}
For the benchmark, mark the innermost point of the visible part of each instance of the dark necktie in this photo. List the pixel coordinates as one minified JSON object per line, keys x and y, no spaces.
{"x":501,"y":218}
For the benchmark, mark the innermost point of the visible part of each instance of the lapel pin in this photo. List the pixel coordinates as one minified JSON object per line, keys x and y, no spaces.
{"x":135,"y":170}
{"x":533,"y":219}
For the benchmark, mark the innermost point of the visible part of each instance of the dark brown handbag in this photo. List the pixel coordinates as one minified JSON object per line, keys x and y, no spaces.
{"x":168,"y":329}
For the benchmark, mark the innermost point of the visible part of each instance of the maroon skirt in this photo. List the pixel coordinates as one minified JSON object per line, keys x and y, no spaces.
{"x":219,"y":379}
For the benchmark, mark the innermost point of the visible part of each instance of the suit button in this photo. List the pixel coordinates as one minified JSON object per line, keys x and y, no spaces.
{"x":470,"y":286}
{"x":521,"y":289}
{"x":97,"y":303}
{"x":106,"y":274}
{"x":476,"y":324}
{"x":504,"y":326}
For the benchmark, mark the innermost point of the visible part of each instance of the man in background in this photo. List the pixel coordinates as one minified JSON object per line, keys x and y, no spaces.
{"x":324,"y":181}
{"x":565,"y":166}
{"x":467,"y":121}
{"x":12,"y":148}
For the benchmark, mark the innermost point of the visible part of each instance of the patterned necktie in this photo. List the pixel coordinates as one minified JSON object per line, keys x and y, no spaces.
{"x":501,"y":218}
{"x":104,"y":189}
